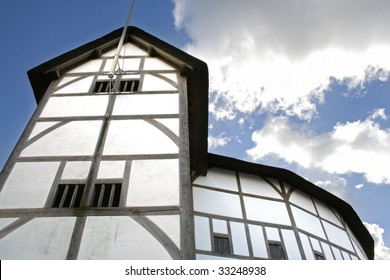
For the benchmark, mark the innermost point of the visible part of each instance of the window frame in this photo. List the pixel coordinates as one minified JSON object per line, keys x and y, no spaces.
{"x":226,"y":241}
{"x":62,"y":197}
{"x":276,"y":245}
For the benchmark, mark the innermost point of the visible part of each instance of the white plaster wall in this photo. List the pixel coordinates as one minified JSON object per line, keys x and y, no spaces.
{"x":303,"y":200}
{"x":90,"y":66}
{"x":153,"y":83}
{"x":218,"y":203}
{"x":210,"y":257}
{"x":28,"y":185}
{"x":40,"y":127}
{"x":306,"y":247}
{"x":152,"y":63}
{"x":291,"y":245}
{"x":74,"y":138}
{"x":337,"y":253}
{"x":337,"y":236}
{"x":69,"y":106}
{"x":266,"y":211}
{"x":220,"y":226}
{"x":219,"y":178}
{"x":128,"y":64}
{"x":258,"y":243}
{"x":239,"y":240}
{"x":77,"y":86}
{"x":202,"y":233}
{"x":6,"y":221}
{"x":171,"y":124}
{"x":272,"y":234}
{"x":111,"y":238}
{"x":154,"y":183}
{"x":76,"y":170}
{"x":255,"y":185}
{"x":146,"y":104}
{"x":327,"y":251}
{"x":45,"y":238}
{"x":128,"y":49}
{"x":134,"y":137}
{"x":326,"y":213}
{"x":316,"y":244}
{"x":307,"y":222}
{"x":170,"y":225}
{"x":111,"y":169}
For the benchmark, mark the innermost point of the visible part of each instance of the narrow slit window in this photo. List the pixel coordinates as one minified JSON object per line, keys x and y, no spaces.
{"x":222,"y":245}
{"x":68,"y":196}
{"x":128,"y":85}
{"x":106,"y":195}
{"x":276,"y":251}
{"x":102,"y":87}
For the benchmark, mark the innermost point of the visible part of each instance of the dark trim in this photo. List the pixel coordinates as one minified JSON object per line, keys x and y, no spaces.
{"x":194,"y":70}
{"x":309,"y":188}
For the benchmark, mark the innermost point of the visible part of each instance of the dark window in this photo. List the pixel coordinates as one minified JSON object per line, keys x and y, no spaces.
{"x":276,"y":251}
{"x":102,"y":86}
{"x":319,"y":256}
{"x":222,"y":245}
{"x":68,"y":196}
{"x":128,"y":85}
{"x":106,"y":195}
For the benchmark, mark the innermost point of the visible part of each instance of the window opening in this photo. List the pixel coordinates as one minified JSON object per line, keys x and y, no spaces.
{"x":319,"y":256}
{"x":68,"y":196}
{"x":129,"y":85}
{"x":102,"y":86}
{"x":222,"y":245}
{"x":106,"y":195}
{"x":276,"y":251}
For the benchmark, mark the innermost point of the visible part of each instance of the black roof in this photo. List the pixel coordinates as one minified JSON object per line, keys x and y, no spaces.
{"x":196,"y":73}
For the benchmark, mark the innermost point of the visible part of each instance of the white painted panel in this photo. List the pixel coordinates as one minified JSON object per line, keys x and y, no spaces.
{"x":77,"y":86}
{"x":258,"y":243}
{"x":171,"y":77}
{"x":327,"y":251}
{"x":303,"y":200}
{"x":153,"y":83}
{"x":345,"y":255}
{"x":154,"y":183}
{"x":219,"y":178}
{"x":255,"y":185}
{"x":307,"y":222}
{"x":49,"y":241}
{"x":337,"y":253}
{"x":202,"y":233}
{"x":134,"y":137}
{"x":146,"y":104}
{"x":40,"y":127}
{"x":276,"y":183}
{"x":129,"y":64}
{"x":266,"y":211}
{"x":170,"y":225}
{"x":356,"y":244}
{"x":316,"y":244}
{"x":28,"y":185}
{"x":111,"y":169}
{"x":220,"y":226}
{"x":74,"y":138}
{"x":90,"y":66}
{"x":306,"y":246}
{"x":217,"y":203}
{"x":76,"y":170}
{"x":210,"y":257}
{"x":272,"y":234}
{"x":128,"y":49}
{"x":337,"y":236}
{"x":171,"y":124}
{"x":239,"y":240}
{"x":75,"y":106}
{"x":6,"y":221}
{"x":354,"y":258}
{"x":156,"y":64}
{"x":114,"y":238}
{"x":291,"y":245}
{"x":326,"y":213}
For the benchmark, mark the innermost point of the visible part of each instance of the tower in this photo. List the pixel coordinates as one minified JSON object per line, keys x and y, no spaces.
{"x":118,"y":169}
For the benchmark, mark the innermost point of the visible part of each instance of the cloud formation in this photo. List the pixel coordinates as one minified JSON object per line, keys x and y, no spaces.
{"x":359,"y":146}
{"x":381,"y":251}
{"x":280,"y":55}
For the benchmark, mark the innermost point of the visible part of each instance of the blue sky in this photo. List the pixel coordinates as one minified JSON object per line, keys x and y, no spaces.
{"x":302,"y":85}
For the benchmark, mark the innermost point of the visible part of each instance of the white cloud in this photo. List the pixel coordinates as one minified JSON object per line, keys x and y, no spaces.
{"x":359,"y":186}
{"x":279,"y":55}
{"x":360,"y":147}
{"x":382,"y":252}
{"x":217,"y":141}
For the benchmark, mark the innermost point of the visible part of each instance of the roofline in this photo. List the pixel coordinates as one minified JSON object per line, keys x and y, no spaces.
{"x":345,"y":209}
{"x":195,"y":71}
